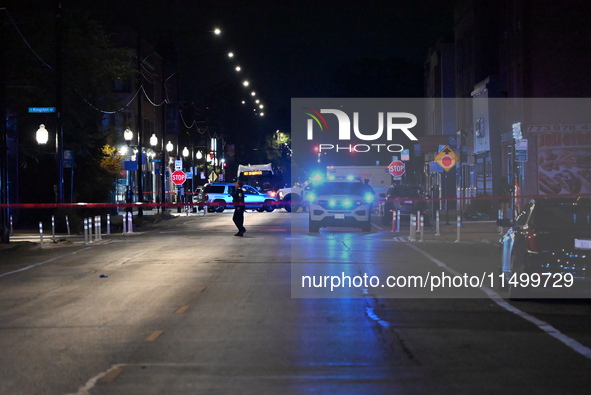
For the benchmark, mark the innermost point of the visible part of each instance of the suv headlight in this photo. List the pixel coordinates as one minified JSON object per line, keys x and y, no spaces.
{"x":368,"y":198}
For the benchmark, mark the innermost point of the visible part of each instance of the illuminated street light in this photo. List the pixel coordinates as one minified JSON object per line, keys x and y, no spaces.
{"x":185,"y":152}
{"x":42,"y":135}
{"x":217,"y":31}
{"x":199,"y":155}
{"x":128,"y":135}
{"x":246,"y":83}
{"x":253,"y":93}
{"x":230,"y":54}
{"x":261,"y":106}
{"x":238,"y":68}
{"x":169,"y":147}
{"x":153,"y":140}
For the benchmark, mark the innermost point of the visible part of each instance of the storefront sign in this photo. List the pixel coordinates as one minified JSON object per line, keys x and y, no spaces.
{"x":564,"y":161}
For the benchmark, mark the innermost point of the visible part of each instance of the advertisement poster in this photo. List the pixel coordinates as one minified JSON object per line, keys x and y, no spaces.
{"x":564,"y":163}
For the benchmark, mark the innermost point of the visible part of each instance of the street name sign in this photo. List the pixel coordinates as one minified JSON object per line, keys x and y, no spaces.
{"x":41,"y":110}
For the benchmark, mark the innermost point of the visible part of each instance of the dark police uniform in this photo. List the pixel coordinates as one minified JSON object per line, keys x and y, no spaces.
{"x":238,"y":218}
{"x":128,"y":199}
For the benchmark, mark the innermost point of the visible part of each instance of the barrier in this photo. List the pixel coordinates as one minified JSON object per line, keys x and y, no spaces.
{"x":89,"y":229}
{"x":129,"y":223}
{"x":85,"y":230}
{"x":437,"y":232}
{"x":41,"y":234}
{"x":458,"y":226}
{"x":399,"y":221}
{"x":413,"y":228}
{"x":99,"y":233}
{"x":394,"y":220}
{"x":68,"y":225}
{"x":108,"y":224}
{"x":422,"y":222}
{"x":96,"y":232}
{"x":53,"y":228}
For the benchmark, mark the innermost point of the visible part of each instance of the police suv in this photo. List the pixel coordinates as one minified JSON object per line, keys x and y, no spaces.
{"x":340,"y":202}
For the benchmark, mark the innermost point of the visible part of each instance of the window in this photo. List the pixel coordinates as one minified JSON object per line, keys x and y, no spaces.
{"x":250,"y":190}
{"x":216,"y":189}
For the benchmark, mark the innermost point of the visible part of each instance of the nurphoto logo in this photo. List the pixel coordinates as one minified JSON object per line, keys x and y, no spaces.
{"x":393,"y":121}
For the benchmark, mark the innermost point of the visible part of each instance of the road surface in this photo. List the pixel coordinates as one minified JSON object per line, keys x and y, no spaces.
{"x":187,"y":308}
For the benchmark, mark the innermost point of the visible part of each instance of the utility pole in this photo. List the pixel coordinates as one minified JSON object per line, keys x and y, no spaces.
{"x":4,"y":229}
{"x":163,"y":163}
{"x":140,"y":172}
{"x":58,"y":95}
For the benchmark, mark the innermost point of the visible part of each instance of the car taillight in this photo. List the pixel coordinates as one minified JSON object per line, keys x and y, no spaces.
{"x":532,"y":244}
{"x":272,"y":193}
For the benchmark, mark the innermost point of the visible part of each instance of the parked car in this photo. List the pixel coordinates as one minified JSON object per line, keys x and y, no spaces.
{"x":409,"y":199}
{"x":292,"y":198}
{"x":551,"y":235}
{"x":218,"y":196}
{"x":340,"y":203}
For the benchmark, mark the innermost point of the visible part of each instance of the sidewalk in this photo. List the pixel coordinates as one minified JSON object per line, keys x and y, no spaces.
{"x":28,"y":238}
{"x":479,"y":231}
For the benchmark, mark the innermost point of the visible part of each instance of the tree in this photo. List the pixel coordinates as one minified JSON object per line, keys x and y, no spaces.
{"x":90,"y":66}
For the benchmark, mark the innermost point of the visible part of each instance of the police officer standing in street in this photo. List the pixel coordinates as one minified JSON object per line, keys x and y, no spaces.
{"x":128,"y":199}
{"x":238,"y":200}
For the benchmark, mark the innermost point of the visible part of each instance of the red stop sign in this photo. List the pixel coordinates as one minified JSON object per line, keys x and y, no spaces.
{"x":396,"y":168}
{"x":447,"y":161}
{"x":178,"y":177}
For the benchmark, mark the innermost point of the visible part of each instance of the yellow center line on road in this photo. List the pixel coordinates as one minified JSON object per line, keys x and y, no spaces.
{"x":154,"y":335}
{"x":181,"y":310}
{"x":111,"y":375}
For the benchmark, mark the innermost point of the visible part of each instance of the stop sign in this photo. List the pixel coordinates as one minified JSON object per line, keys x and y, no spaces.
{"x":396,"y":168}
{"x":178,"y":177}
{"x":447,"y":161}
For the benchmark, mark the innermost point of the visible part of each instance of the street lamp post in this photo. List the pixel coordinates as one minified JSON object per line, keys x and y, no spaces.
{"x":128,"y":136}
{"x":42,"y":137}
{"x":200,"y":156}
{"x":186,"y":154}
{"x":4,"y":211}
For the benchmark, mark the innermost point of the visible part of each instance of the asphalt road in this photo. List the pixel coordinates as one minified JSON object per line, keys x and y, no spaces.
{"x":187,"y":308}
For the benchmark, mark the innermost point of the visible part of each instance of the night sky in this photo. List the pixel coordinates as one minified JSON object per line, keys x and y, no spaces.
{"x":289,"y":49}
{"x":285,"y":48}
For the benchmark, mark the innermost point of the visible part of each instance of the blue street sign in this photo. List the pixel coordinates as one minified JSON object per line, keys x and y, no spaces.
{"x":41,"y":110}
{"x":435,"y":168}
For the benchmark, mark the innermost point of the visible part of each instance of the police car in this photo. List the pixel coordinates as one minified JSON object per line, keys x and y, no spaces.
{"x":218,"y":197}
{"x":340,"y":202}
